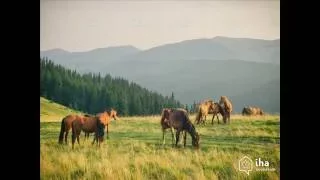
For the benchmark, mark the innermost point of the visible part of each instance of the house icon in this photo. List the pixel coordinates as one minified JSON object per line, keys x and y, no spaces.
{"x":245,"y":164}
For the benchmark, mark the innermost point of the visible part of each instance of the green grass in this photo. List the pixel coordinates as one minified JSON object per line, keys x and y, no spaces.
{"x":134,"y":151}
{"x":51,"y":111}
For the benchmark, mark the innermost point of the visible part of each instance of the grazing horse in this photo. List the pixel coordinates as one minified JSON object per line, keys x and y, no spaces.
{"x":165,"y":124}
{"x":227,"y":106}
{"x":215,"y":110}
{"x":178,"y":119}
{"x":252,"y":111}
{"x":203,"y":111}
{"x":90,"y":124}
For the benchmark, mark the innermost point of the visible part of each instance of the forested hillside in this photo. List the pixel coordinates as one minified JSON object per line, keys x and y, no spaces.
{"x":92,"y":93}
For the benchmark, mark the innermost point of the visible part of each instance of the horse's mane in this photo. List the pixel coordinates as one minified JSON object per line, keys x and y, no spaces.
{"x":189,"y":124}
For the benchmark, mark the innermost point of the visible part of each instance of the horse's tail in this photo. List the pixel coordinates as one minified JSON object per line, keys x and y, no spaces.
{"x":62,"y":131}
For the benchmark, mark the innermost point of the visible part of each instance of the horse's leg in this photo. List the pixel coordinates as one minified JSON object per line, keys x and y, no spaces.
{"x":227,"y":118}
{"x":107,"y":131}
{"x":66,"y":137}
{"x":78,"y":137}
{"x":94,"y":138}
{"x":98,"y":142}
{"x":177,"y":137}
{"x":73,"y":138}
{"x":212,"y":118}
{"x":163,"y":138}
{"x":86,"y":136}
{"x":218,"y":118}
{"x":184,"y":138}
{"x":173,"y":136}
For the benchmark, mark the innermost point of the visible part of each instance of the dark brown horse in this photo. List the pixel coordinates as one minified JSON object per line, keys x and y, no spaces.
{"x":90,"y":124}
{"x":165,"y":125}
{"x":215,"y":110}
{"x":178,"y":119}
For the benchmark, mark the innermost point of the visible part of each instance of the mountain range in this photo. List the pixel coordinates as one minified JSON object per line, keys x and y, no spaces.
{"x":246,"y":70}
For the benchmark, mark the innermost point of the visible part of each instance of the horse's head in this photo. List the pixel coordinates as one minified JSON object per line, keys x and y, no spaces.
{"x":165,"y":113}
{"x":113,"y":114}
{"x":196,"y":140}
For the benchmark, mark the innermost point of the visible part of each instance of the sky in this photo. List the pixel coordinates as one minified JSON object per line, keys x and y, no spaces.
{"x":83,"y":25}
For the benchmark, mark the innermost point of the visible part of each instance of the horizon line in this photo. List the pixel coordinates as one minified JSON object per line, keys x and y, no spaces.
{"x":141,"y":49}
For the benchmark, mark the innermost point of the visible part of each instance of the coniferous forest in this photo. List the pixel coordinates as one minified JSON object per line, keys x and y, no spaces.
{"x":92,"y":93}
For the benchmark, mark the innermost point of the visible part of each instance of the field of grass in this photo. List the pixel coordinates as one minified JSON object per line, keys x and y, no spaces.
{"x":134,"y":151}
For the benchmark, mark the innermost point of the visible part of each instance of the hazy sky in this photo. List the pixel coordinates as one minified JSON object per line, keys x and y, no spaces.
{"x":84,"y":25}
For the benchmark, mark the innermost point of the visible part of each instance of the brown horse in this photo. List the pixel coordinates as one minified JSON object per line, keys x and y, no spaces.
{"x":87,"y":134}
{"x":227,"y":106}
{"x":112,"y":114}
{"x":215,"y":110}
{"x":252,"y":111}
{"x":90,"y":124}
{"x":165,"y":124}
{"x":203,"y":111}
{"x":66,"y":126}
{"x":178,"y":119}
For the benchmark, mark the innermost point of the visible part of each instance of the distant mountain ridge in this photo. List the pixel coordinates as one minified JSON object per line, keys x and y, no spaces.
{"x":192,"y":69}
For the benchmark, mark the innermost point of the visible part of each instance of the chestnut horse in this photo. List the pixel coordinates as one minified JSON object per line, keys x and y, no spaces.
{"x":66,"y":126}
{"x":178,"y":119}
{"x":203,"y":111}
{"x":90,"y":124}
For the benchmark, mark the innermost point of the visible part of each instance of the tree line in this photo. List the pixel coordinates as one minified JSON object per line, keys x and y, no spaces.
{"x":92,"y":93}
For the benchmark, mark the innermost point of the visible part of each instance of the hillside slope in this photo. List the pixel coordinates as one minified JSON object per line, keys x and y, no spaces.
{"x":51,"y":111}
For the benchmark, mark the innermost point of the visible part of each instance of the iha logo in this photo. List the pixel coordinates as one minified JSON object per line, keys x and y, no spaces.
{"x":260,"y":163}
{"x":246,"y":165}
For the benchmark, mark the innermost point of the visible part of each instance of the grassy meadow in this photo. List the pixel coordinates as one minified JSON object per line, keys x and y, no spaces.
{"x":134,"y":150}
{"x":51,"y":111}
